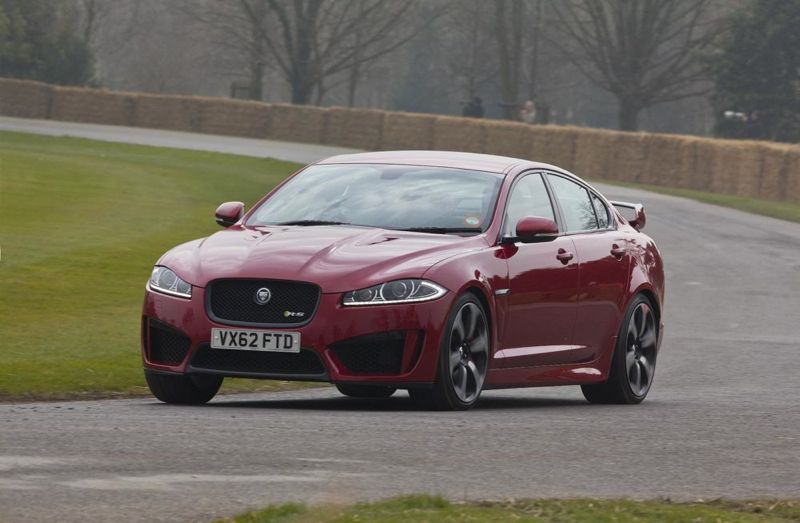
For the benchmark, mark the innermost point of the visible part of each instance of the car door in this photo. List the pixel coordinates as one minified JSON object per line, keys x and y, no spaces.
{"x":603,"y":261}
{"x":543,"y":285}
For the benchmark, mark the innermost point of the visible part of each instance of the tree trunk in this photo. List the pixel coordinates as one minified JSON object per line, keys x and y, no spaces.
{"x":255,"y":90}
{"x":628,"y":115}
{"x":301,"y":91}
{"x":256,"y":65}
{"x":352,"y":84}
{"x":534,"y":63}
{"x":508,"y":33}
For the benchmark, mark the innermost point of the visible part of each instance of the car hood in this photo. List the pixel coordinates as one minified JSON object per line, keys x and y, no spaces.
{"x":337,"y":258}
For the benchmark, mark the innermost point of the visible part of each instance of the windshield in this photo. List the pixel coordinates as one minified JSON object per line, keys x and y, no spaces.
{"x":427,"y":199}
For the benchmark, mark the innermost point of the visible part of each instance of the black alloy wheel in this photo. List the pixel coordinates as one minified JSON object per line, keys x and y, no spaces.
{"x":634,"y":362}
{"x":463,"y":359}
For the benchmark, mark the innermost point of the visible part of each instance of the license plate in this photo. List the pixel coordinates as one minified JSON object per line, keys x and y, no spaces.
{"x":267,"y":341}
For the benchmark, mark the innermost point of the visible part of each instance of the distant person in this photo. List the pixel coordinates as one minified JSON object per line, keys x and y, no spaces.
{"x":528,"y":112}
{"x":473,"y":108}
{"x":753,"y":126}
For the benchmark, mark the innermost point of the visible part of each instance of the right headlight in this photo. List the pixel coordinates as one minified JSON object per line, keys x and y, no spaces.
{"x":166,"y":281}
{"x":398,"y":291}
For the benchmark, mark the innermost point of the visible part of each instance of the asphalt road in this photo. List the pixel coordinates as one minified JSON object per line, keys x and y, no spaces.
{"x":722,"y":419}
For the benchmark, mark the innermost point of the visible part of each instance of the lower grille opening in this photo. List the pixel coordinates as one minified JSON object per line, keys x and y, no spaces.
{"x":380,"y":353}
{"x":167,"y":345}
{"x":304,"y":363}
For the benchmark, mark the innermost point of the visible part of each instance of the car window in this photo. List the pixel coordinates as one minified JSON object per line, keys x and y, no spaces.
{"x":575,"y":204}
{"x":404,"y":197}
{"x":528,"y":198}
{"x":601,"y":211}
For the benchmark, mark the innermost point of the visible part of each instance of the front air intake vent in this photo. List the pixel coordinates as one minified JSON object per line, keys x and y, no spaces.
{"x":380,"y":353}
{"x":167,"y":345}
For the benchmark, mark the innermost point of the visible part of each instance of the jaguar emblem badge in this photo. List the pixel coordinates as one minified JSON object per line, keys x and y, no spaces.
{"x":263,"y":295}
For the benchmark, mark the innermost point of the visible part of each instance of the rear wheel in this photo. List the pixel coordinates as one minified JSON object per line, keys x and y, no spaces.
{"x":365,"y":391}
{"x":183,"y":389}
{"x":463,"y":360}
{"x":634,"y":363}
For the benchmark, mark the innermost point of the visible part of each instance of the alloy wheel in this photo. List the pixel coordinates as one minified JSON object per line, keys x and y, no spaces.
{"x":469,"y":352}
{"x":640,"y":355}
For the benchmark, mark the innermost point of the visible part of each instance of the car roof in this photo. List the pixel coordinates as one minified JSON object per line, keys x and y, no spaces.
{"x":452,"y":159}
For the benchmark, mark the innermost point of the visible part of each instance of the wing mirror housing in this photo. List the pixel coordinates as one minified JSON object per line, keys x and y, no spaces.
{"x":534,"y":229}
{"x":229,"y":213}
{"x":640,"y":218}
{"x":633,"y":213}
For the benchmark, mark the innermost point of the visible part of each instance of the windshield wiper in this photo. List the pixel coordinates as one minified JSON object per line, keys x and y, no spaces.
{"x":312,"y":222}
{"x":441,"y":230}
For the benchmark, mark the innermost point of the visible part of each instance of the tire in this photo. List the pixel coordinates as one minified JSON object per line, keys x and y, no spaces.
{"x":365,"y":391}
{"x":463,"y":359}
{"x":183,"y":389}
{"x":634,"y":363}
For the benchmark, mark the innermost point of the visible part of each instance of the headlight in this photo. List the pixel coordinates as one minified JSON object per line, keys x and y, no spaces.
{"x":165,"y":281}
{"x":398,"y":291}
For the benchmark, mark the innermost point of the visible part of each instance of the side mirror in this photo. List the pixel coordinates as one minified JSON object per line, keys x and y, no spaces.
{"x":633,"y":213}
{"x":229,"y":213}
{"x":640,"y":218}
{"x":532,"y":229}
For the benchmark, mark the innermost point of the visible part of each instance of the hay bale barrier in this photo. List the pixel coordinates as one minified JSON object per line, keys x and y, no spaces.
{"x":100,"y":106}
{"x":244,"y":118}
{"x":595,"y":152}
{"x":553,"y":144}
{"x":775,"y":171}
{"x":743,"y":168}
{"x":176,"y":113}
{"x":506,"y":138}
{"x":407,"y":131}
{"x":627,"y":158}
{"x":669,"y":162}
{"x":459,"y":134}
{"x":356,"y":128}
{"x":296,"y":123}
{"x":24,"y":99}
{"x":792,"y":193}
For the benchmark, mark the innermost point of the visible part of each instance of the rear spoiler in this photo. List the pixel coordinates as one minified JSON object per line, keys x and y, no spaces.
{"x":633,"y":213}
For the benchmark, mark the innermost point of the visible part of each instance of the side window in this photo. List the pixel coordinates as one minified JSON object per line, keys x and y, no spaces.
{"x":603,"y":219}
{"x":528,"y":198}
{"x":575,"y":202}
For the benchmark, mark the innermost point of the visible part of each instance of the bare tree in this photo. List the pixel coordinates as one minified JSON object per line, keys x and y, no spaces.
{"x":309,"y":41}
{"x":509,"y":24}
{"x":645,"y":52}
{"x":470,"y":45}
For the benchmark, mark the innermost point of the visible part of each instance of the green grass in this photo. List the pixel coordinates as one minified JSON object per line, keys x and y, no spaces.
{"x":436,"y":509}
{"x":81,"y":224}
{"x":781,"y":210}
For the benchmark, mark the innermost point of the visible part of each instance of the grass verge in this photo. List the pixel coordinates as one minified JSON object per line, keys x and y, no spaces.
{"x":782,"y":210}
{"x":435,"y":509}
{"x":81,"y":224}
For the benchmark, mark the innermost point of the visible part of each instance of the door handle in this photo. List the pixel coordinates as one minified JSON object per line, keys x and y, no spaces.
{"x":564,"y":256}
{"x":617,"y":251}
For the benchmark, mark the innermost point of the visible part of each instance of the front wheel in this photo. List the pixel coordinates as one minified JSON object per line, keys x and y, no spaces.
{"x":463,"y":359}
{"x":183,"y":389}
{"x":634,"y":363}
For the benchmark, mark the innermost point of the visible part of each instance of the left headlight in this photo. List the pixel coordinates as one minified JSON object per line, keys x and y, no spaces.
{"x":166,"y":281}
{"x":398,"y":291}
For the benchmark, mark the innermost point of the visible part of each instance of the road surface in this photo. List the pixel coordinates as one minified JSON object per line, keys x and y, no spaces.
{"x":722,"y":419}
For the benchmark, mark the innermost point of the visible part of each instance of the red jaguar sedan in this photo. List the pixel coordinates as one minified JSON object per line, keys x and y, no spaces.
{"x":441,"y":273}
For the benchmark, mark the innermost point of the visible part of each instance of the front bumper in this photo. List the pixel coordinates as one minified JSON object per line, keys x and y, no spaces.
{"x":417,"y":328}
